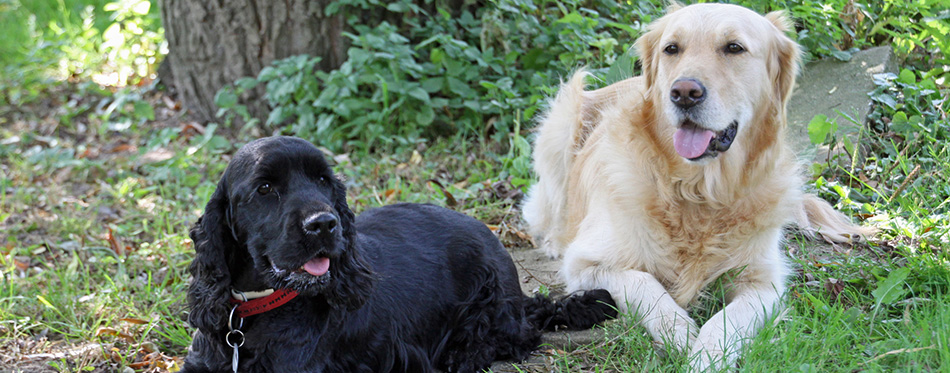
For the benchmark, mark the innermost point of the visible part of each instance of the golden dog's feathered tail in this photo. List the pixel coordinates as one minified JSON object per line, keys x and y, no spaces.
{"x":554,"y":151}
{"x":818,"y":219}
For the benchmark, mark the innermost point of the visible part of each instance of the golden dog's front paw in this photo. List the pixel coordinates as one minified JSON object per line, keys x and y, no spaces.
{"x":683,"y":334}
{"x":712,"y":352}
{"x":706,"y":360}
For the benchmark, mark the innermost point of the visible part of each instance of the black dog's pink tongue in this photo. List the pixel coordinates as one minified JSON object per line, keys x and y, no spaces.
{"x":317,"y":266}
{"x":690,"y":141}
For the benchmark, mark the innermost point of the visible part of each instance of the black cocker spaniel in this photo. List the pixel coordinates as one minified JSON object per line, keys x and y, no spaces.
{"x":287,"y":280}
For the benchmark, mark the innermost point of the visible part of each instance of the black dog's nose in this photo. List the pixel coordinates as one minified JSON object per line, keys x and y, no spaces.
{"x":317,"y":223}
{"x":686,"y":93}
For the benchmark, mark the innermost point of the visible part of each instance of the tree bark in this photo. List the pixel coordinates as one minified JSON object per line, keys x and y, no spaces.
{"x":212,"y":43}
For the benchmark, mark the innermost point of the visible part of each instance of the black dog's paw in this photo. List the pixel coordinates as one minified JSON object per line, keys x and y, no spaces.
{"x":585,"y":309}
{"x":576,"y":311}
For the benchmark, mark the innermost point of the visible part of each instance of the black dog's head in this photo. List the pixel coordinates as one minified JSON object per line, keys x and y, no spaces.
{"x":278,"y":218}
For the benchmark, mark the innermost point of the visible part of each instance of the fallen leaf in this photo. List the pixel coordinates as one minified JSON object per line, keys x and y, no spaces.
{"x":156,"y":155}
{"x":834,"y":287}
{"x":151,"y":348}
{"x":449,"y":198}
{"x":341,"y":159}
{"x":134,"y":321}
{"x":140,"y":365}
{"x":88,"y":153}
{"x":522,"y":235}
{"x":170,"y":104}
{"x":121,"y":148}
{"x":106,"y":331}
{"x":116,"y":245}
{"x":193,"y":126}
{"x":21,"y":265}
{"x":391,"y":194}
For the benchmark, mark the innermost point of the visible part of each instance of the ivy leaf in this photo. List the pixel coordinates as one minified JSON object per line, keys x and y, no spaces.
{"x":225,"y":98}
{"x":819,"y":128}
{"x":143,"y":110}
{"x":885,"y":99}
{"x":425,"y":116}
{"x":572,"y":18}
{"x":891,"y":288}
{"x":267,"y":74}
{"x":459,"y":87}
{"x":907,"y":77}
{"x":419,"y":94}
{"x":245,"y":84}
{"x":397,"y":7}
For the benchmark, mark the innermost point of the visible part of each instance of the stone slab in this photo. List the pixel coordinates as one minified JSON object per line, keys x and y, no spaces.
{"x":537,"y":269}
{"x":830,"y":86}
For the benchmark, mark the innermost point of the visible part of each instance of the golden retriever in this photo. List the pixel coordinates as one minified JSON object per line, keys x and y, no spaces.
{"x":655,"y":186}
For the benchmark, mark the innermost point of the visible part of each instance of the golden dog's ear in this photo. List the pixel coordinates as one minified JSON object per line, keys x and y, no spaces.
{"x":646,"y":48}
{"x":786,"y":57}
{"x":647,"y":44}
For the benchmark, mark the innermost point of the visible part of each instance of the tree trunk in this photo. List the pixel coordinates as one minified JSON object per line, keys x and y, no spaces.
{"x":212,"y":43}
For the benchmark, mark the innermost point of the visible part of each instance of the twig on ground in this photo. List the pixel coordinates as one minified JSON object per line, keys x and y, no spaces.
{"x":898,"y":351}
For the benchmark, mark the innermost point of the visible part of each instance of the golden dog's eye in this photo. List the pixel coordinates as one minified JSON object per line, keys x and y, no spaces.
{"x":671,"y":49}
{"x":264,"y":189}
{"x":734,"y":48}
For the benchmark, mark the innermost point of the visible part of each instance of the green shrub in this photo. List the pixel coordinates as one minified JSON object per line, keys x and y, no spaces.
{"x":472,"y":74}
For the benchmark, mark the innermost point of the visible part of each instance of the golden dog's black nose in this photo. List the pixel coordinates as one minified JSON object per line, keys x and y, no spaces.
{"x":687,"y":92}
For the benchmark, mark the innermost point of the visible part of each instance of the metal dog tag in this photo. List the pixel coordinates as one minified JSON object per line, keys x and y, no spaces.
{"x":234,"y":359}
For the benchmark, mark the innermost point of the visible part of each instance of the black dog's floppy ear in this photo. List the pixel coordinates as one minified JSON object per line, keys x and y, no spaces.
{"x":213,"y":239}
{"x":353,"y":279}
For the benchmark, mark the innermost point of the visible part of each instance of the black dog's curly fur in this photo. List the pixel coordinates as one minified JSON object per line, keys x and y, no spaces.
{"x":410,"y":288}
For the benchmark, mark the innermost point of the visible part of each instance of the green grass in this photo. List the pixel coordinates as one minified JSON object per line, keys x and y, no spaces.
{"x":80,"y":164}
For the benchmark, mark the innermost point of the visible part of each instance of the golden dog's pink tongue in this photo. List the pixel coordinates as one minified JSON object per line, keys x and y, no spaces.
{"x":691,"y":141}
{"x":317,"y":267}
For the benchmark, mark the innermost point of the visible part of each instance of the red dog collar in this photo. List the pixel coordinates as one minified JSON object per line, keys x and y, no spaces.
{"x":249,"y":305}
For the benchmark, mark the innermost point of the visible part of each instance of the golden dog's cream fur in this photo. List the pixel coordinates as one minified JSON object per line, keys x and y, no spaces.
{"x":629,"y":214}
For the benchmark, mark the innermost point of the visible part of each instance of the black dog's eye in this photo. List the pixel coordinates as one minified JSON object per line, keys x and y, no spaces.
{"x":671,"y":49}
{"x":264,"y":189}
{"x":734,"y":48}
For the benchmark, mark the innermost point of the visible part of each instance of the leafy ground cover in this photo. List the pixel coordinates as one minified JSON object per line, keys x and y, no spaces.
{"x":99,"y":184}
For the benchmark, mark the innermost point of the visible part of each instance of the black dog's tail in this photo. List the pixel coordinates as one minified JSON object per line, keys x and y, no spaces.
{"x":579,"y":310}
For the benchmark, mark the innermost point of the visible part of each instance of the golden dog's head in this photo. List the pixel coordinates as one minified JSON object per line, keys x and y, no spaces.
{"x":716,"y":72}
